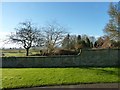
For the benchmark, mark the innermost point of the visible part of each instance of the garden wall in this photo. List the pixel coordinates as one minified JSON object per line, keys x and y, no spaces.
{"x":96,"y":58}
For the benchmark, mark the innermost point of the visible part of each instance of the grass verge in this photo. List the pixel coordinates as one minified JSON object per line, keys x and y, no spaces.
{"x":31,"y":77}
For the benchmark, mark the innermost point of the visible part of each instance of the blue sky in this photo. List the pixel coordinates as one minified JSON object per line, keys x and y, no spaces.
{"x":79,"y":17}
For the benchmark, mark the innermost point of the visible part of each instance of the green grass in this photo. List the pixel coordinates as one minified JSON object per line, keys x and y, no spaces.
{"x":30,"y":77}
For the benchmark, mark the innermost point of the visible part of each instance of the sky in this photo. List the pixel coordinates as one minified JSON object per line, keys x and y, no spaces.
{"x":87,"y":18}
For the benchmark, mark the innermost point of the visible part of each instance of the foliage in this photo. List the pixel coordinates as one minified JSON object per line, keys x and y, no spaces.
{"x":115,"y":44}
{"x":66,"y":42}
{"x":65,"y":52}
{"x":87,"y":41}
{"x":99,"y":42}
{"x":76,"y":42}
{"x":113,"y":26}
{"x":105,"y":42}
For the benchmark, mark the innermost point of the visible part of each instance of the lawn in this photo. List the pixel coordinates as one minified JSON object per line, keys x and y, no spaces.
{"x":30,"y":77}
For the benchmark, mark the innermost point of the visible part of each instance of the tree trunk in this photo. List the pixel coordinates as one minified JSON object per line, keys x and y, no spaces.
{"x":27,"y":51}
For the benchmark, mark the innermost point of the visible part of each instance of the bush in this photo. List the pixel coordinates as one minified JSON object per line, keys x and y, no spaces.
{"x":65,"y":52}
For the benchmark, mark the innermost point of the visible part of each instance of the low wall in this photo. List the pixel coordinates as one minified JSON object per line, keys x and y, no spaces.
{"x":101,"y":57}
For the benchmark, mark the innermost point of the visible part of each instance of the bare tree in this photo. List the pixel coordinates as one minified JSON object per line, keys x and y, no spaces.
{"x":27,"y":35}
{"x":53,"y":35}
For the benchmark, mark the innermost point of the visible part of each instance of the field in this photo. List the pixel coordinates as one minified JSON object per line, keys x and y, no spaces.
{"x":30,"y":77}
{"x":18,"y":52}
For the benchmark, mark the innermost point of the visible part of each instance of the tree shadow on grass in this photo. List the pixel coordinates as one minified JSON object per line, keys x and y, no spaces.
{"x":107,"y":72}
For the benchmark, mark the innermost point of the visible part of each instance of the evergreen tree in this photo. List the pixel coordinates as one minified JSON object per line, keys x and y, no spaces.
{"x":66,"y":42}
{"x":88,"y":42}
{"x":78,"y":44}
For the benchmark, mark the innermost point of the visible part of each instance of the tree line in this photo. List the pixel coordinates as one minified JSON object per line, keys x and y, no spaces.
{"x":53,"y":35}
